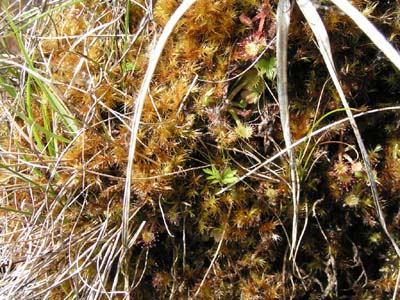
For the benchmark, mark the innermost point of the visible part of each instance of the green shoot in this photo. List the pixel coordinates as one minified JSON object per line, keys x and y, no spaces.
{"x":267,"y":67}
{"x":228,"y":176}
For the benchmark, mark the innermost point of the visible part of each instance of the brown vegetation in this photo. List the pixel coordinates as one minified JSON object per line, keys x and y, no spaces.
{"x":70,"y":73}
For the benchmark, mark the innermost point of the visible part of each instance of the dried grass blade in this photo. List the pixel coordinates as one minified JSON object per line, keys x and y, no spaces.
{"x":370,"y":30}
{"x":153,"y":60}
{"x":319,"y":30}
{"x":283,"y":22}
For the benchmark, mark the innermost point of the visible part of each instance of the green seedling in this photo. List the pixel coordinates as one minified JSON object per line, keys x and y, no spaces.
{"x":225,"y":178}
{"x":251,"y":86}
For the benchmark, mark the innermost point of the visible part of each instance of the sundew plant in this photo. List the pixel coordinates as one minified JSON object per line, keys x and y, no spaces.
{"x":199,"y":149}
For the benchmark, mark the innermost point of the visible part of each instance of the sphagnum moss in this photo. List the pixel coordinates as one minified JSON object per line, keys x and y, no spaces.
{"x":62,"y":208}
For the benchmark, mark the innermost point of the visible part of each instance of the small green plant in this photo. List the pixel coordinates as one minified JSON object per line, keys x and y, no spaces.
{"x":216,"y":177}
{"x":249,"y":87}
{"x":267,"y":67}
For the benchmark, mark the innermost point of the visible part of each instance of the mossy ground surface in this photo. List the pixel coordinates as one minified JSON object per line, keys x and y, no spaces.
{"x":70,"y":73}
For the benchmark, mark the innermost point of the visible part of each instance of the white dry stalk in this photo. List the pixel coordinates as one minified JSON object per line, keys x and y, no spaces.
{"x":216,"y":253}
{"x":332,"y":281}
{"x":163,"y":217}
{"x":153,"y":60}
{"x":319,"y":30}
{"x":301,"y":141}
{"x":283,"y":21}
{"x":370,"y":30}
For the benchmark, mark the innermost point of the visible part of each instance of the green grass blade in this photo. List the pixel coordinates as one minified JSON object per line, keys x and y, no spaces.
{"x":28,"y":105}
{"x":8,"y":88}
{"x":46,"y":87}
{"x":21,"y":176}
{"x":17,"y":211}
{"x":48,"y":12}
{"x":45,"y":131}
{"x":48,"y":130}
